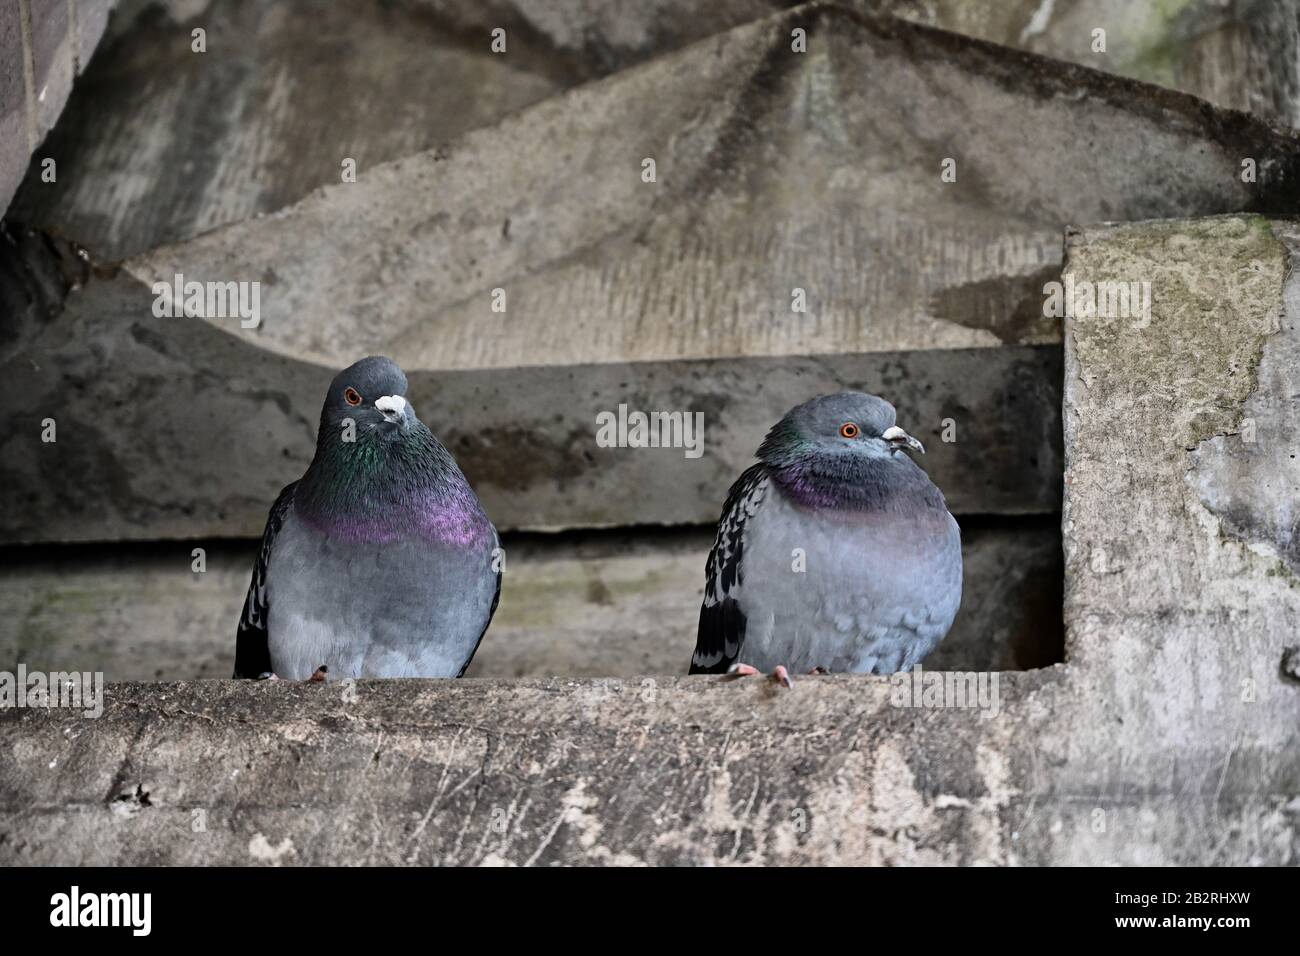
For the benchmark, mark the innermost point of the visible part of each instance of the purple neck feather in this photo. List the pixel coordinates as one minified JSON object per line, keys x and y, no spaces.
{"x":871,"y":486}
{"x":371,"y":491}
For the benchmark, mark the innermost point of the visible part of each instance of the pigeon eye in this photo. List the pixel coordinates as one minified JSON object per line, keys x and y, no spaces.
{"x":352,"y":396}
{"x":849,"y":430}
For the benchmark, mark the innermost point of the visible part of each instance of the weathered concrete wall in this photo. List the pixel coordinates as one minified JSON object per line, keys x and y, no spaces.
{"x":613,"y":604}
{"x":673,"y":295}
{"x":1240,"y":55}
{"x":289,"y":88}
{"x":1174,"y":623}
{"x":1170,"y":735}
{"x":44,"y":44}
{"x":789,"y":176}
{"x":161,"y":143}
{"x":172,"y":428}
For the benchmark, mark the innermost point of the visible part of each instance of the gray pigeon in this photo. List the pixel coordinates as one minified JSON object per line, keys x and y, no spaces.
{"x":834,"y":553}
{"x":379,"y":561}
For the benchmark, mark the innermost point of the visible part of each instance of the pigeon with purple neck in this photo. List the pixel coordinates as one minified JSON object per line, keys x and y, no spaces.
{"x":835,"y":552}
{"x":379,"y":560}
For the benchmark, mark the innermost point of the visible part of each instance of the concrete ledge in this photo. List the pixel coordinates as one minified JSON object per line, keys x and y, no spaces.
{"x":676,"y":770}
{"x":651,"y":770}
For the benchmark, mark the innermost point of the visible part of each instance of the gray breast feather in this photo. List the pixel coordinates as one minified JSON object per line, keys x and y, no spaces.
{"x":400,"y":609}
{"x":865,"y":592}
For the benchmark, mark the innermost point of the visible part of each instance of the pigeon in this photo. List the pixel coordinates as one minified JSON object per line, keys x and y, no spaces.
{"x":379,"y":560}
{"x":834,"y":553}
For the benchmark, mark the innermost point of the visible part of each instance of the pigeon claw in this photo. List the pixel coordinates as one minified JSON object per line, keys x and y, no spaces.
{"x":780,"y":675}
{"x":819,"y":670}
{"x":318,"y":675}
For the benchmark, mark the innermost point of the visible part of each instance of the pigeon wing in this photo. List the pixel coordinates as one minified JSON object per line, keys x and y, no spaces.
{"x":252,"y":647}
{"x":722,"y":623}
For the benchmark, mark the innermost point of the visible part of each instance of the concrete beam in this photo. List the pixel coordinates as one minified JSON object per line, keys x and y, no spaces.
{"x":1236,"y":55}
{"x":172,"y":428}
{"x":287,"y":91}
{"x":789,"y":176}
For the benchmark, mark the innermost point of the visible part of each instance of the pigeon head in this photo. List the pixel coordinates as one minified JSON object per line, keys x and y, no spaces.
{"x":844,"y":451}
{"x":838,"y":432}
{"x":371,"y":394}
{"x":377,"y":466}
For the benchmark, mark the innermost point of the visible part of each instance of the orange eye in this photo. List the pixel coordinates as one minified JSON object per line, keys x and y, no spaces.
{"x":849,"y":430}
{"x":352,"y":396}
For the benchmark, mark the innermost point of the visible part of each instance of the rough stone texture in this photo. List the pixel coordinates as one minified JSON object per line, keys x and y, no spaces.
{"x":90,"y":20}
{"x":1249,"y":477}
{"x":1180,"y":628}
{"x":580,"y":605}
{"x":14,"y":135}
{"x":172,"y":428}
{"x":1170,"y":735}
{"x":298,"y":84}
{"x":161,"y":143}
{"x":54,"y":60}
{"x":817,"y":171}
{"x":671,"y":770}
{"x":1241,"y":55}
{"x":44,"y":44}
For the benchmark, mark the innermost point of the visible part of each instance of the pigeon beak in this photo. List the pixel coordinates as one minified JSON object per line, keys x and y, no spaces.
{"x":393,"y":407}
{"x":899,"y":439}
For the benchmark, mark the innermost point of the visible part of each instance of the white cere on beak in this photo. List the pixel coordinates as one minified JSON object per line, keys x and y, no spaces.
{"x":392,"y":403}
{"x":895,"y":434}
